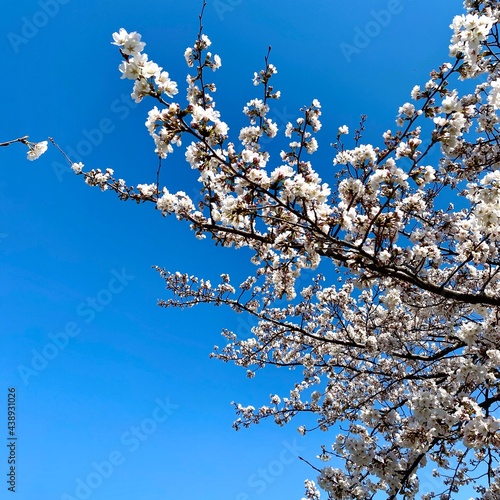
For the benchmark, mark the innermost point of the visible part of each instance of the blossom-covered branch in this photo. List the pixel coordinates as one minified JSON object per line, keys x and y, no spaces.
{"x":401,"y":358}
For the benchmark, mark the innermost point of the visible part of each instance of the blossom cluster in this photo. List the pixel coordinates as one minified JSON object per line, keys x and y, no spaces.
{"x":470,"y":30}
{"x":36,"y":150}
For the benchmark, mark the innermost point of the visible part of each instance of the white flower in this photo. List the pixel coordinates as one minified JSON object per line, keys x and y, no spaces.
{"x":249,"y":135}
{"x":494,"y":96}
{"x":217,"y":62}
{"x":343,"y":129}
{"x":311,"y":145}
{"x":141,"y":89}
{"x":36,"y":150}
{"x":449,"y":104}
{"x":415,"y":92}
{"x":165,"y":84}
{"x":275,"y":399}
{"x":407,"y":109}
{"x":205,"y":41}
{"x":150,"y":69}
{"x":384,"y":256}
{"x":130,"y":43}
{"x":167,"y":202}
{"x":77,"y":167}
{"x":120,"y":37}
{"x":188,"y":56}
{"x":271,"y":129}
{"x":429,"y":174}
{"x":147,"y":190}
{"x":256,"y":107}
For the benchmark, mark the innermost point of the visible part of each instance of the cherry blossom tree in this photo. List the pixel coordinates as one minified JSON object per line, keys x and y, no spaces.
{"x":396,"y":338}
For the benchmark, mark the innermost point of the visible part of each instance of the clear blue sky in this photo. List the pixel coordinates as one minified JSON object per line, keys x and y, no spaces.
{"x":128,"y":383}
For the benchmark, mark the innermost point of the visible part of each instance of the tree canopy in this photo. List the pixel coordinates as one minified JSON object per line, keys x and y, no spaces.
{"x":395,"y":339}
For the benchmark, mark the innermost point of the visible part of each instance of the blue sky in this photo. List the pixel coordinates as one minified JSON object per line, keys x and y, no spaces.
{"x":117,"y":398}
